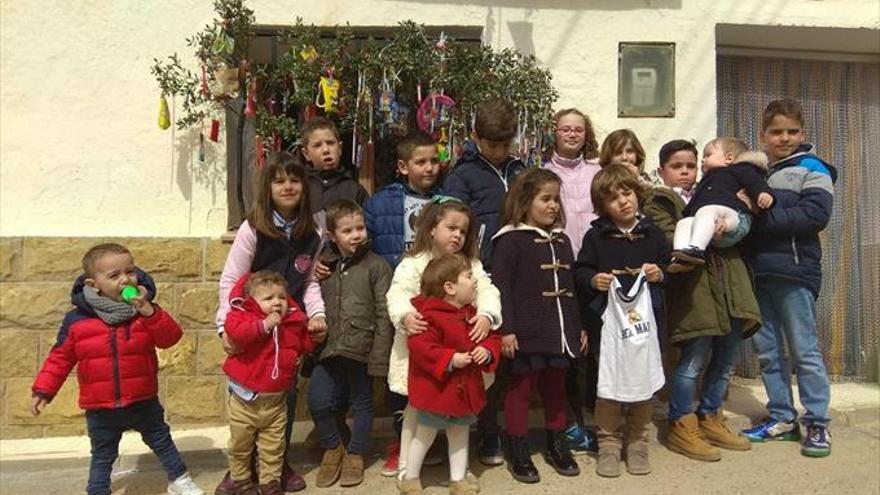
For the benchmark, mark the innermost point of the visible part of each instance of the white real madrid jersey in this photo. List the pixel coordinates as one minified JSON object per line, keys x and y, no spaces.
{"x":630,"y":369}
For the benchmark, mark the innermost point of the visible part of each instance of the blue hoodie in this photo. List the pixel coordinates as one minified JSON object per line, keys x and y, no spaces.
{"x":482,"y":187}
{"x":785,"y":238}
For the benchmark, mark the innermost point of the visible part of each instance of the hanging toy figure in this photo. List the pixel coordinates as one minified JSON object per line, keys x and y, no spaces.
{"x":328,"y":89}
{"x":164,"y":114}
{"x":443,"y":146}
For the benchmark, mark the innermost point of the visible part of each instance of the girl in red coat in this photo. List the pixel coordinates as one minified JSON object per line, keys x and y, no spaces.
{"x":445,"y":369}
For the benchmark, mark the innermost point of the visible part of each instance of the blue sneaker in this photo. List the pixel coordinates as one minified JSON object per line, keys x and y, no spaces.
{"x":817,"y":443}
{"x":580,"y":440}
{"x":773,"y":430}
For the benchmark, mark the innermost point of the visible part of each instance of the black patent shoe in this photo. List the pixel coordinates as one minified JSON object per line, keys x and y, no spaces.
{"x":519,"y":461}
{"x":559,"y":456}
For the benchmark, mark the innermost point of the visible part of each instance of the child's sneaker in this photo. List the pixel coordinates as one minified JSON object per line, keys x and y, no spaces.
{"x":773,"y":430}
{"x":392,"y":459}
{"x":580,"y":440}
{"x":184,"y":485}
{"x":817,"y":443}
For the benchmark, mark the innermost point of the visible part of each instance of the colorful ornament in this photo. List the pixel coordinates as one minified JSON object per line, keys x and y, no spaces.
{"x":328,"y":89}
{"x":443,"y":146}
{"x":309,"y":54}
{"x":215,"y":130}
{"x":164,"y":114}
{"x":434,"y":113}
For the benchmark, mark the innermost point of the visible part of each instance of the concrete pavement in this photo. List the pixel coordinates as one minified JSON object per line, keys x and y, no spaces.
{"x":60,"y":465}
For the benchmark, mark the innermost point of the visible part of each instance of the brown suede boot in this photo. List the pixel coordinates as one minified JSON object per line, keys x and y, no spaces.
{"x":638,"y":417}
{"x":352,"y":470}
{"x":410,"y":487}
{"x":609,"y":437}
{"x":608,"y":465}
{"x":684,"y":438}
{"x":462,"y":487}
{"x":717,"y":433}
{"x":331,"y":466}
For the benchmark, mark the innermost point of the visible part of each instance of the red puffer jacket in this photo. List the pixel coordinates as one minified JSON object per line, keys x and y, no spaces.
{"x":432,"y":387}
{"x":115,"y":365}
{"x":253,"y":367}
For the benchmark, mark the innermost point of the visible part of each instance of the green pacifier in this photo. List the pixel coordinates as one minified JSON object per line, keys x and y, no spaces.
{"x":129,"y":292}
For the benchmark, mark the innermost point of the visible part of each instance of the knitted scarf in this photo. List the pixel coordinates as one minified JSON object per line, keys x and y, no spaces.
{"x":110,"y":311}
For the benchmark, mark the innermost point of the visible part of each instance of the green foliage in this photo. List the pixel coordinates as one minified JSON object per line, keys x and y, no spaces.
{"x":366,"y":69}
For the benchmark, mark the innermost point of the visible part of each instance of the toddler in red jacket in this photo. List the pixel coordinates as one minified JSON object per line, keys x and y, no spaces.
{"x":270,"y":331}
{"x":112,"y":341}
{"x":445,"y":380}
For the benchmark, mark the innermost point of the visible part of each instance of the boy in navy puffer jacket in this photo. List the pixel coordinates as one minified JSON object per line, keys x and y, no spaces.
{"x":114,"y":343}
{"x":786,"y":256}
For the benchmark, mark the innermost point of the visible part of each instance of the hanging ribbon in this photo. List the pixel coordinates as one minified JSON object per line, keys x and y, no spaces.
{"x":250,"y":109}
{"x":215,"y":130}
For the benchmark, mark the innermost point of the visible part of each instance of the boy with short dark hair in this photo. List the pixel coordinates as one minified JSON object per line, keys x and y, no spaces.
{"x":111,"y":337}
{"x":358,"y":344}
{"x":481,"y":180}
{"x":708,"y":313}
{"x":391,"y":216}
{"x":322,"y":149}
{"x":391,"y":213}
{"x":787,"y":261}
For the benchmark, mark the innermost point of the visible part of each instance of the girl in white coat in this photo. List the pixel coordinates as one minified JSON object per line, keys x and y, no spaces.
{"x":445,"y":226}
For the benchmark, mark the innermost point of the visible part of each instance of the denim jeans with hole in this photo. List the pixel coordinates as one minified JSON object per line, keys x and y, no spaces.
{"x":789,"y":313}
{"x":724,"y":350}
{"x":105,"y":431}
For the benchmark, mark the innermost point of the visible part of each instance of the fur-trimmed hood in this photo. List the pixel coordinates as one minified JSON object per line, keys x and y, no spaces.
{"x":757,"y":158}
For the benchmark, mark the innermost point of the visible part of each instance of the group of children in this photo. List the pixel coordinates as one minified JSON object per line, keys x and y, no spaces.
{"x":568,"y":278}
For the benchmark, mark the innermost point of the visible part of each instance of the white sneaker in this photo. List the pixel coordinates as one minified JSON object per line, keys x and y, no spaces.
{"x":184,"y":486}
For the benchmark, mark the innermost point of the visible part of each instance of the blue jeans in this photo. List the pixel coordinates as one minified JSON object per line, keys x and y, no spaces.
{"x":105,"y":428}
{"x":789,"y":314}
{"x":331,"y":379}
{"x":724,"y":350}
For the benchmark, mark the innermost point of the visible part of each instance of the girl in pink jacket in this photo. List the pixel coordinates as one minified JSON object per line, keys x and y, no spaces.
{"x":575,"y":161}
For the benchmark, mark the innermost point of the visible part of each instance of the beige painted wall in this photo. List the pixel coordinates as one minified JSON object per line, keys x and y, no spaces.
{"x":81,"y":155}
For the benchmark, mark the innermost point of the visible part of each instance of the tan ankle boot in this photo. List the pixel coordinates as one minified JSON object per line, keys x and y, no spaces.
{"x":716,"y":432}
{"x":463,"y":487}
{"x":684,"y":438}
{"x":608,"y":465}
{"x":331,"y":467}
{"x":410,"y":487}
{"x":352,"y":470}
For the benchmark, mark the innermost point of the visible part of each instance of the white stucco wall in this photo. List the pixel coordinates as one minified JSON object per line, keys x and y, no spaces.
{"x":81,"y":154}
